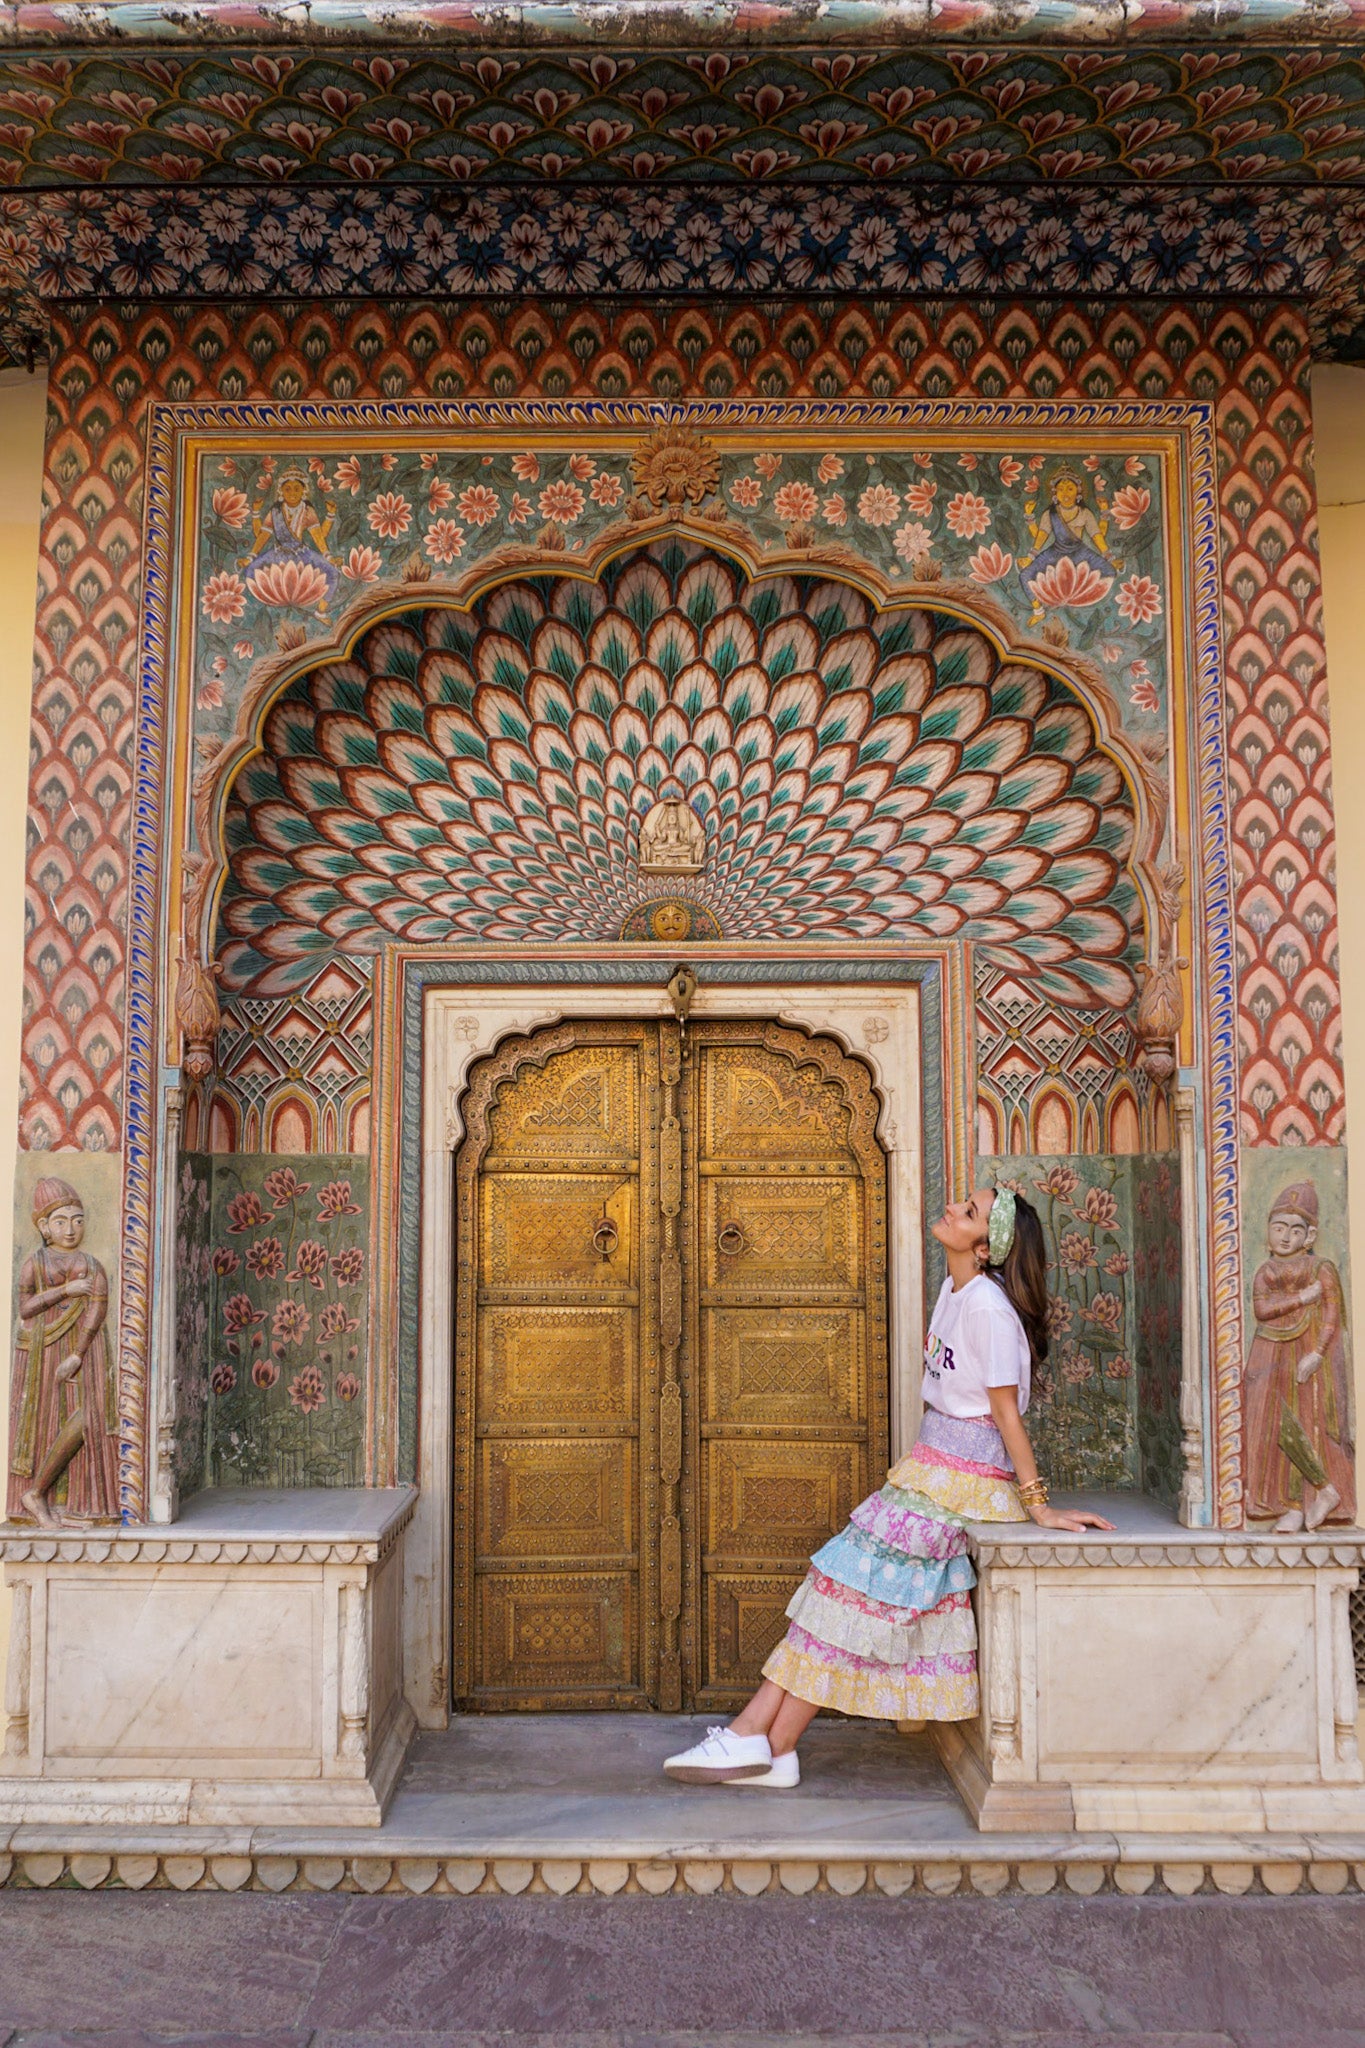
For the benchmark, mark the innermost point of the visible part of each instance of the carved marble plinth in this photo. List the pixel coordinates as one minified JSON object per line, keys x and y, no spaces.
{"x":1162,"y":1679}
{"x":243,"y":1665}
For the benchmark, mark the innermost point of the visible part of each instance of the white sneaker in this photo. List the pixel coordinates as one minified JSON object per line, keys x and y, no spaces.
{"x":783,"y":1775}
{"x":723,"y":1756}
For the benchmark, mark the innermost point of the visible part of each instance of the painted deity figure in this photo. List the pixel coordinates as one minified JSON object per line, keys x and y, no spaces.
{"x":1067,"y":530}
{"x":63,"y":1408}
{"x":291,"y":531}
{"x":1300,"y":1439}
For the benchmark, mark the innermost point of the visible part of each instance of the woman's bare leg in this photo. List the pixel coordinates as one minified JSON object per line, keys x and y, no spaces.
{"x":758,"y":1717}
{"x":779,"y":1715}
{"x":793,"y":1718}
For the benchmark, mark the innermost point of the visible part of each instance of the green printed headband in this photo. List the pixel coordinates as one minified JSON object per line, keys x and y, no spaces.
{"x":1000,"y":1229}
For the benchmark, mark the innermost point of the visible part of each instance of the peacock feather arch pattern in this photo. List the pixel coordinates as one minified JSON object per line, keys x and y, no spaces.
{"x":859,"y":774}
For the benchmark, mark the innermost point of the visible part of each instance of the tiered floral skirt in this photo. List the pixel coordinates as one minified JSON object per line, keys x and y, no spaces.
{"x":882,"y":1624}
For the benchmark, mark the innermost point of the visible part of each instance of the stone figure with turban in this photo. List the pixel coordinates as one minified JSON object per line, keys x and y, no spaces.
{"x":1299,"y":1435}
{"x":63,"y":1410}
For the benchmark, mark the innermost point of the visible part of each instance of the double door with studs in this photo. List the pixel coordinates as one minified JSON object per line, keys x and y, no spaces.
{"x":671,"y":1360}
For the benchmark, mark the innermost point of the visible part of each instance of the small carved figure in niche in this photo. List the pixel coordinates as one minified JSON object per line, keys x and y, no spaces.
{"x":672,"y":838}
{"x":63,"y":1407}
{"x":1300,"y":1438}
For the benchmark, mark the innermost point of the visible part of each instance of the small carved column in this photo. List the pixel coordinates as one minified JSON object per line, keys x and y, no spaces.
{"x":670,"y":1391}
{"x":17,"y":1671}
{"x":354,"y":1687}
{"x":1004,"y":1676}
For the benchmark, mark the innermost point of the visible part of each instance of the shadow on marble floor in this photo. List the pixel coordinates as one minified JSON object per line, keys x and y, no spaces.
{"x":621,"y":1756}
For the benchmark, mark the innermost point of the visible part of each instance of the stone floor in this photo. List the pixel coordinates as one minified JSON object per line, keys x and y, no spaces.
{"x":578,"y":1804}
{"x":119,"y":1970}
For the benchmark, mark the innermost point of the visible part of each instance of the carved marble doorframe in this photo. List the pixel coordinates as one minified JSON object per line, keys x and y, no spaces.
{"x":881,"y":1021}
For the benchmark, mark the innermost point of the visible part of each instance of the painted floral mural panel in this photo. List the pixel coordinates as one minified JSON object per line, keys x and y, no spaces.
{"x":289,"y":1257}
{"x":194,"y":1330}
{"x":1083,"y":1416}
{"x":1070,"y":542}
{"x":1157,"y":1225}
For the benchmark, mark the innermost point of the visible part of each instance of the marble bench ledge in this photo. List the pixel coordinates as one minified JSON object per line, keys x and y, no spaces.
{"x":257,"y":1525}
{"x":1146,"y":1532}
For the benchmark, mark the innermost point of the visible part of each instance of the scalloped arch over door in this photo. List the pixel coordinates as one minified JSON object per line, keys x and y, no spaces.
{"x":856,"y":773}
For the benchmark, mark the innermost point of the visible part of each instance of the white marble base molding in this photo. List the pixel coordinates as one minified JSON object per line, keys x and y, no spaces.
{"x":243,"y":1666}
{"x":1163,"y":1680}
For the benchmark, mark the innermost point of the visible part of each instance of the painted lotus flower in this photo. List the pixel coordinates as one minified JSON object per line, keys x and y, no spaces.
{"x":223,"y":1378}
{"x":879,"y":505}
{"x":335,"y":1200}
{"x":1075,"y":1251}
{"x":239,"y":1313}
{"x":1129,"y":504}
{"x":232,"y":506}
{"x":290,"y":1322}
{"x":223,"y":597}
{"x":444,"y":540}
{"x":988,"y":565}
{"x":283,"y":1185}
{"x":562,"y":502}
{"x":310,"y":1262}
{"x":1139,"y":599}
{"x":478,"y":505}
{"x":265,"y":1258}
{"x":913,"y":540}
{"x":968,"y":514}
{"x":296,"y":586}
{"x":347,"y":1386}
{"x":389,"y":515}
{"x":1105,"y":1311}
{"x":308,"y":1390}
{"x":1069,"y":583}
{"x":362,"y":565}
{"x":264,"y":1374}
{"x":485,"y":775}
{"x":795,"y":501}
{"x":245,"y":1211}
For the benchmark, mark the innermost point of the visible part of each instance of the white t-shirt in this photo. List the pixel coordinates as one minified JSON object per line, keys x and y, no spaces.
{"x":976,"y":1341}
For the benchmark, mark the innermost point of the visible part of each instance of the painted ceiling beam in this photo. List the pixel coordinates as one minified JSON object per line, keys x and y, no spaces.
{"x":661,"y":25}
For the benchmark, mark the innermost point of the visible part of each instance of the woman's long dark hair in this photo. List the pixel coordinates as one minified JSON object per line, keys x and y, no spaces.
{"x":1024,"y":1277}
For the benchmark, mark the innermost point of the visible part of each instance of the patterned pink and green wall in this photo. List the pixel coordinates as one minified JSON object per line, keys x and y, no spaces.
{"x":406,"y":789}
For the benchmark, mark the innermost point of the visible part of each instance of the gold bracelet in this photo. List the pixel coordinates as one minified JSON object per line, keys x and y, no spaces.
{"x":1034,"y":1495}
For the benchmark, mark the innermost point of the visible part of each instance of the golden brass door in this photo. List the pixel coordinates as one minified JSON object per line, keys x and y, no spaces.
{"x":671,"y":1366}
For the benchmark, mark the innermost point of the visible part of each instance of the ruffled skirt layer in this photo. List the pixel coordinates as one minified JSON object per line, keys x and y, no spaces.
{"x":882,"y":1624}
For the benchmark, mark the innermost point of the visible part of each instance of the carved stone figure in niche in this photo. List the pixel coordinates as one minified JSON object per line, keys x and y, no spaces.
{"x":672,"y":838}
{"x":63,"y":1409}
{"x":1300,"y":1438}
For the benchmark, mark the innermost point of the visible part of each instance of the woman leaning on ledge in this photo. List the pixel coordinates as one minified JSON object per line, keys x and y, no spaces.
{"x":882,"y":1625}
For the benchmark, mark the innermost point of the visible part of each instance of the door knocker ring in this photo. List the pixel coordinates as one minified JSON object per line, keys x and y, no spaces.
{"x":731,"y":1240}
{"x":605,"y":1238}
